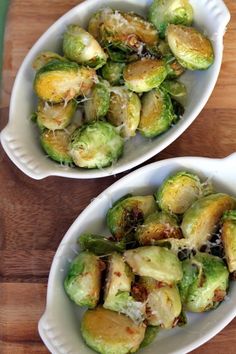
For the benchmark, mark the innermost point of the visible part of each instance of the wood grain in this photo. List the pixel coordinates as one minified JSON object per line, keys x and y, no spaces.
{"x":34,"y":215}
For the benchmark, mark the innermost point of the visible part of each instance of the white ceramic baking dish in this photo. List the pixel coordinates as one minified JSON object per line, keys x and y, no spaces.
{"x":59,"y":326}
{"x":20,"y":137}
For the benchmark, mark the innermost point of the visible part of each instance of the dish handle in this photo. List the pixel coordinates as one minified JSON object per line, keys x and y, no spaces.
{"x":17,"y":152}
{"x":223,"y":17}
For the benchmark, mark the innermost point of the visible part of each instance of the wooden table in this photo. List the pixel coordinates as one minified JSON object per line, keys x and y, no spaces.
{"x":34,"y":215}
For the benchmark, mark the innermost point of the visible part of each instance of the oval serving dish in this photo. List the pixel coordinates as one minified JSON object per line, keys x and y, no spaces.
{"x":19,"y":138}
{"x":59,"y":326}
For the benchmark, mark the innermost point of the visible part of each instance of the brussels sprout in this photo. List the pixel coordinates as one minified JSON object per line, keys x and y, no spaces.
{"x":163,"y":303}
{"x":124,"y":111}
{"x":178,"y":192}
{"x":96,"y":145}
{"x":97,"y":104}
{"x":180,"y":247}
{"x":145,"y":74}
{"x":109,"y":332}
{"x":55,"y":116}
{"x":204,"y":283}
{"x":201,"y":219}
{"x":126,"y":214}
{"x":60,"y":81}
{"x":118,"y":56}
{"x":118,"y":287}
{"x":175,"y":89}
{"x":127,"y":31}
{"x":150,"y":335}
{"x":99,"y":245}
{"x":190,"y":47}
{"x":228,"y":235}
{"x":163,"y":12}
{"x":157,"y":226}
{"x":156,"y":262}
{"x":81,"y":47}
{"x":56,"y":144}
{"x":113,"y":72}
{"x":83,"y":281}
{"x":156,"y":113}
{"x":44,"y":58}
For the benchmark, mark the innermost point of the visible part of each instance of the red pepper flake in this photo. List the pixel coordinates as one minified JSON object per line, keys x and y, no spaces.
{"x":160,"y":284}
{"x":130,"y":330}
{"x":118,"y":274}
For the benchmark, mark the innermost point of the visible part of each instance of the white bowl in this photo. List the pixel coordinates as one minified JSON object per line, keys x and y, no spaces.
{"x":20,"y":137}
{"x":59,"y":326}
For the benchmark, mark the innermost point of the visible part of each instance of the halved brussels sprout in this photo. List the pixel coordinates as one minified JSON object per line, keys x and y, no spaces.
{"x":126,"y":214}
{"x":113,"y":72}
{"x":204,"y":283}
{"x":56,"y":144}
{"x":175,"y":89}
{"x":55,"y":116}
{"x":156,"y":114}
{"x":44,"y":58}
{"x":124,"y":111}
{"x":191,"y":48}
{"x":60,"y":81}
{"x":83,"y":281}
{"x":163,"y":12}
{"x":96,"y":145}
{"x":126,"y":31}
{"x":144,"y":75}
{"x":228,"y":235}
{"x":178,"y":192}
{"x":109,"y":332}
{"x":163,"y":303}
{"x":156,"y":262}
{"x":118,"y":287}
{"x":97,"y":103}
{"x":99,"y":245}
{"x":157,"y":226}
{"x":202,"y":218}
{"x":150,"y":335}
{"x":81,"y":47}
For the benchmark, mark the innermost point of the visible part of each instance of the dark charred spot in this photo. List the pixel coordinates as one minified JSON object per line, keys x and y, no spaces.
{"x":132,"y":218}
{"x":139,"y":292}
